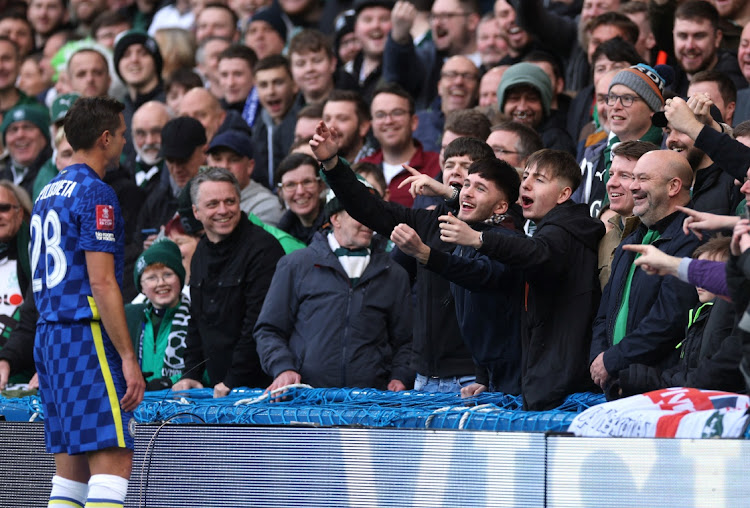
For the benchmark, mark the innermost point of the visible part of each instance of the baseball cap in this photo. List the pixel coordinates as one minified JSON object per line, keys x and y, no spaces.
{"x":180,"y":137}
{"x":237,"y":141}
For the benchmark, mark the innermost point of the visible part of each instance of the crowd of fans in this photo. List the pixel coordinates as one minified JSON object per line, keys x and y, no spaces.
{"x":536,"y":197}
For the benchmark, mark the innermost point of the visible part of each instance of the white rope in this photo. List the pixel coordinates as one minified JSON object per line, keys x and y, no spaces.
{"x":467,"y":411}
{"x":270,"y":394}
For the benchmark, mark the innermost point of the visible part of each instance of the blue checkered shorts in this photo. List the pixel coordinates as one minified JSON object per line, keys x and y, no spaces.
{"x":80,"y":384}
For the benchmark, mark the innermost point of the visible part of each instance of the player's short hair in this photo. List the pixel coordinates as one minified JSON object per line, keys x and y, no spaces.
{"x":88,"y":118}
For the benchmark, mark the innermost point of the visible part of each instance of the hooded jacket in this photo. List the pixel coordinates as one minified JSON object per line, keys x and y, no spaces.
{"x":562,"y":295}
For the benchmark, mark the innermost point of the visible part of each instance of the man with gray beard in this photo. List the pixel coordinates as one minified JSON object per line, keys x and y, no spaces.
{"x":147,"y":124}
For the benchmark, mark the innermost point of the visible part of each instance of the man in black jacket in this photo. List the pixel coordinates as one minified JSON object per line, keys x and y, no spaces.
{"x":641,"y":318}
{"x":230,"y":274}
{"x":560,"y":270}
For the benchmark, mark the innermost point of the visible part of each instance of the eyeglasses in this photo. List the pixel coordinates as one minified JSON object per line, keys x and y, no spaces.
{"x":7,"y":207}
{"x":153,"y":279}
{"x":468,"y":76}
{"x":307,"y":184}
{"x":396,"y":113}
{"x":500,"y":151}
{"x":625,"y":100}
{"x":445,"y":16}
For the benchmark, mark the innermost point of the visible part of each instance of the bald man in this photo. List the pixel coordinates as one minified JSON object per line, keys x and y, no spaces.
{"x":642,"y":317}
{"x":146,"y":126}
{"x":201,"y":104}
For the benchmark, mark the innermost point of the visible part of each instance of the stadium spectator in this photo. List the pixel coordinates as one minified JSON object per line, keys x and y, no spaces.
{"x":313,"y":65}
{"x":457,"y":90}
{"x":569,"y":38}
{"x":697,"y":41}
{"x":183,"y":145}
{"x":514,"y":143}
{"x":207,"y":63}
{"x":491,"y":45}
{"x":441,"y":358}
{"x":300,"y":187}
{"x":147,"y":124}
{"x":488,"y":86}
{"x":623,"y":223}
{"x":719,"y":88}
{"x":348,"y":113}
{"x":216,"y":20}
{"x":233,"y":151}
{"x":641,"y":318}
{"x":231,"y":271}
{"x":179,"y":83}
{"x":237,"y":82}
{"x":711,"y":352}
{"x":559,"y":263}
{"x":634,"y":95}
{"x":138,"y":63}
{"x":712,"y":189}
{"x":15,"y":213}
{"x":108,"y":25}
{"x":345,"y":268}
{"x":453,"y":25}
{"x":524,"y":95}
{"x":158,"y":327}
{"x":393,"y":124}
{"x":46,"y":17}
{"x":16,"y":27}
{"x":308,"y":118}
{"x":266,"y":32}
{"x":88,"y":72}
{"x":273,"y":131}
{"x":198,"y":103}
{"x":26,"y":135}
{"x":10,"y":65}
{"x":614,"y":54}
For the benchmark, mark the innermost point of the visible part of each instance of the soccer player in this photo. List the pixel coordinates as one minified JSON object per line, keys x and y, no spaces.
{"x":89,"y":378}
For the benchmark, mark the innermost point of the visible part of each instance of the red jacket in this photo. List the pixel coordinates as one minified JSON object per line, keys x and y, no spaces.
{"x":422,"y":161}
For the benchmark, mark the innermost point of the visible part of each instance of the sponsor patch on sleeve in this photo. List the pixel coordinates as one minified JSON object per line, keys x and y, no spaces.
{"x":105,"y":218}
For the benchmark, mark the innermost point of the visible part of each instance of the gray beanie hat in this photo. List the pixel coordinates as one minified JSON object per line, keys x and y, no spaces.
{"x":525,"y":73}
{"x":644,"y":81}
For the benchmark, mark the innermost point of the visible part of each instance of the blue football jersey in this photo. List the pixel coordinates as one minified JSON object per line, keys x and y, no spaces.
{"x":76,"y":212}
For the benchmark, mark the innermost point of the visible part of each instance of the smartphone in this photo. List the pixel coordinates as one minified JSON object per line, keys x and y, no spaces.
{"x":747,"y":211}
{"x":148,"y":232}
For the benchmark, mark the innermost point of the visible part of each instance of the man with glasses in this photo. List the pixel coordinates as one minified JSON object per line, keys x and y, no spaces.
{"x":393,"y":124}
{"x":457,"y":90}
{"x":643,"y":317}
{"x":453,"y":24}
{"x":635,"y":94}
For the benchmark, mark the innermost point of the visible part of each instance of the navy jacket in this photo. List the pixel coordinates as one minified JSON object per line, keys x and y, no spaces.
{"x":334,"y":335}
{"x":489,"y":298}
{"x":658,"y":306}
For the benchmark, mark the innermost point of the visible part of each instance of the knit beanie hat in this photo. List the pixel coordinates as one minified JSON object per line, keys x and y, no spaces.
{"x":161,"y":251}
{"x":34,"y":113}
{"x":645,"y":81}
{"x":272,"y":16}
{"x":525,"y":73}
{"x":127,"y":39}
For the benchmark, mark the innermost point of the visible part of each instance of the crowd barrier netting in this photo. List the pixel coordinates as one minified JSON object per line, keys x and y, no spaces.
{"x":340,"y":407}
